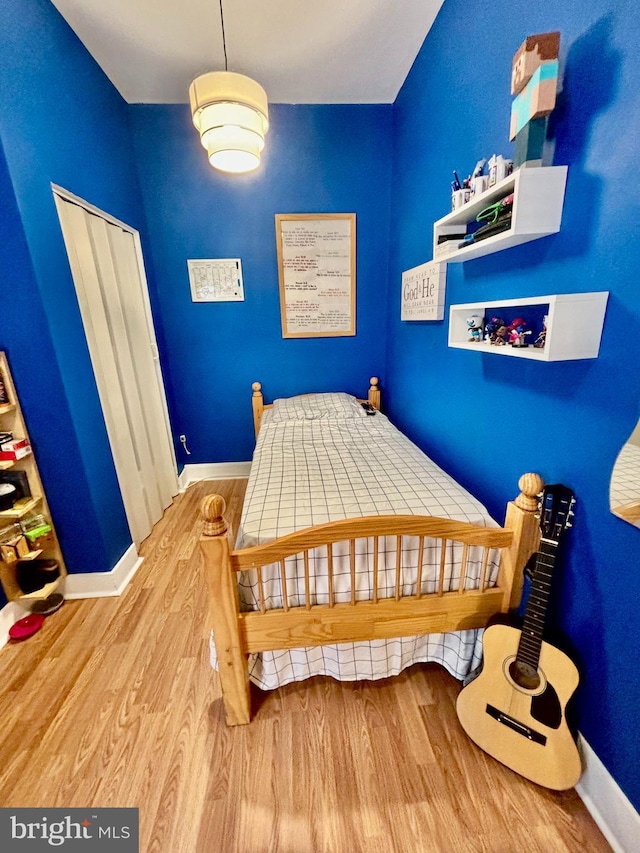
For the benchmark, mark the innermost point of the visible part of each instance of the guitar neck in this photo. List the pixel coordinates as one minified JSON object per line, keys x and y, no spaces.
{"x":537,"y":603}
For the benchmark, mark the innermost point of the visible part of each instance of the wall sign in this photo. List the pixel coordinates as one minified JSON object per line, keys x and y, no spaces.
{"x":317,"y":273}
{"x":216,"y":280}
{"x":423,"y":291}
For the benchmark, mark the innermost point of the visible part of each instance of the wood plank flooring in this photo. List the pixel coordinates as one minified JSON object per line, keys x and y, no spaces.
{"x":113,"y":703}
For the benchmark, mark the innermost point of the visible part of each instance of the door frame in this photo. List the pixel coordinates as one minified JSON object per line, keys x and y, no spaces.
{"x":67,"y":196}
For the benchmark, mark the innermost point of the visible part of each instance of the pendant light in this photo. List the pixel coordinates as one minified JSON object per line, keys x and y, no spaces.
{"x":231,"y":114}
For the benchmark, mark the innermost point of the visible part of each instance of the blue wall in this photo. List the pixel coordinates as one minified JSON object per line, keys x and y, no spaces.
{"x":25,"y":337}
{"x":318,"y":159}
{"x":488,"y":419}
{"x":61,"y":121}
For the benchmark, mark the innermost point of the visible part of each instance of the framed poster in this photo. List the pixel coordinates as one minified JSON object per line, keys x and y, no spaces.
{"x":317,"y":274}
{"x":423,"y":292}
{"x":216,"y":280}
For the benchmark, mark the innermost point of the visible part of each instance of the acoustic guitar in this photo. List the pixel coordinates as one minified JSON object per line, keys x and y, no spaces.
{"x":515,"y":708}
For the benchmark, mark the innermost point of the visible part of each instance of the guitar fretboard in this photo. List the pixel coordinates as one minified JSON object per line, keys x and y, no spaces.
{"x":537,"y":603}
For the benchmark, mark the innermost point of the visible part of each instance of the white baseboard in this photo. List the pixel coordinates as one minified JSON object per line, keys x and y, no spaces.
{"x":102,"y":584}
{"x":617,"y":819}
{"x":212,"y":471}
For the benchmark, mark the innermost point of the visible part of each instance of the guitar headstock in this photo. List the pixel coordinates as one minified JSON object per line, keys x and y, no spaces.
{"x":556,"y":511}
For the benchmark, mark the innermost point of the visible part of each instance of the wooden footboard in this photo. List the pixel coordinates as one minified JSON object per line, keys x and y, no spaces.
{"x":238,"y":634}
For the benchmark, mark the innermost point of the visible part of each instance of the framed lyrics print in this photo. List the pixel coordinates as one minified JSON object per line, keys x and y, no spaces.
{"x":317,"y":274}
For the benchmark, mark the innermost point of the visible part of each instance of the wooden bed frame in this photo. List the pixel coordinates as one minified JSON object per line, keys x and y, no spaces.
{"x":238,"y":634}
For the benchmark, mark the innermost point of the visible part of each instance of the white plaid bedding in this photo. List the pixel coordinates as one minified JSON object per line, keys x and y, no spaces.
{"x":307,"y":472}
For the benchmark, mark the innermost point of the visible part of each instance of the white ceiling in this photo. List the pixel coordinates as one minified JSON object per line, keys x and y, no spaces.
{"x":301,"y":51}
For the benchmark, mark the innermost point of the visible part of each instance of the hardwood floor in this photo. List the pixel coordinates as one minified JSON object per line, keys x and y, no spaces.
{"x":113,"y":703}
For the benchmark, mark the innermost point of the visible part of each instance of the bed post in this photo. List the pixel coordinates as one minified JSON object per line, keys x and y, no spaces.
{"x":374,"y":392}
{"x":523,"y":518}
{"x":223,"y":612}
{"x":257,"y":401}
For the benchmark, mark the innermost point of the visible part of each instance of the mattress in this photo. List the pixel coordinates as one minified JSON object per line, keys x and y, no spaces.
{"x":308,"y":471}
{"x":625,"y":480}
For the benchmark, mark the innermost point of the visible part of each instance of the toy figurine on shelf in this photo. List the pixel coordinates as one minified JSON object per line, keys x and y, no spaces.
{"x":502,"y":331}
{"x":474,"y":327}
{"x":491,"y":329}
{"x":542,"y":337}
{"x":517,"y":333}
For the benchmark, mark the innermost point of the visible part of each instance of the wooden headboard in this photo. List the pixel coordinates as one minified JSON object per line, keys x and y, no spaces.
{"x":259,"y":405}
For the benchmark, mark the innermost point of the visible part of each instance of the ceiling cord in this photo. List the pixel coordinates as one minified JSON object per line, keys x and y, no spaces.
{"x":224,"y":41}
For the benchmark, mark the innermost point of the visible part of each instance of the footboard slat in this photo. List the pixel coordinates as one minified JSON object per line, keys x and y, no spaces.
{"x":261,"y":589}
{"x":352,"y":568}
{"x":443,"y":557}
{"x":330,"y":573}
{"x":398,"y":566}
{"x":463,"y":569}
{"x":483,"y":575}
{"x":420,"y":561}
{"x":376,"y":555}
{"x":307,"y":593}
{"x":283,"y":576}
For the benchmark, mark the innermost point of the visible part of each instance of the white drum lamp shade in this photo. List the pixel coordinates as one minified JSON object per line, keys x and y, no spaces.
{"x":231,"y":114}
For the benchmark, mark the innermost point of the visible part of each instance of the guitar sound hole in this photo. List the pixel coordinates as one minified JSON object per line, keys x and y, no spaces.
{"x":524,"y":675}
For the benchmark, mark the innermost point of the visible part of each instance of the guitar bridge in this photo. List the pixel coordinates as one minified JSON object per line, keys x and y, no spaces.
{"x":512,"y":723}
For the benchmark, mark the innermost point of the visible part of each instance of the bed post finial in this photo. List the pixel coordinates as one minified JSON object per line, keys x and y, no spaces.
{"x":374,"y":392}
{"x":530,"y":486}
{"x":521,"y":519}
{"x":212,"y":509}
{"x":257,"y":401}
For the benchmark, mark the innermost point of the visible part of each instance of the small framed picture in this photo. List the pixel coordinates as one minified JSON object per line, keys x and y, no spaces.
{"x":216,"y":280}
{"x":423,"y":290}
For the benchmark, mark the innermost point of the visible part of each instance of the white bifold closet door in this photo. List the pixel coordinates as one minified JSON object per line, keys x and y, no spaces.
{"x":107,"y":269}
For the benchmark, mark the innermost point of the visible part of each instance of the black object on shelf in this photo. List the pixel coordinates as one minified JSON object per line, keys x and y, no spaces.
{"x":8,"y":496}
{"x":19,"y":480}
{"x":33,"y":575}
{"x":497,"y":227}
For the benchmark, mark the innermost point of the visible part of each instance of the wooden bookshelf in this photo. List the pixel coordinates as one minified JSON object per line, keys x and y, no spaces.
{"x":47,"y":546}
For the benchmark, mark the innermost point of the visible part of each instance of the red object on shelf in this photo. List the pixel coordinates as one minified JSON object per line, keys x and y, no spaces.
{"x":14,"y":455}
{"x":27,"y":627}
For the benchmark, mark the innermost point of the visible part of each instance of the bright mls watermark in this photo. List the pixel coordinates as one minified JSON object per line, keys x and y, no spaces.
{"x":80,"y":830}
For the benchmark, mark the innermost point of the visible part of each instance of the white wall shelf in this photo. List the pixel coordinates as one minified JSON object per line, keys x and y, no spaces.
{"x":574,"y":325}
{"x":537,"y":212}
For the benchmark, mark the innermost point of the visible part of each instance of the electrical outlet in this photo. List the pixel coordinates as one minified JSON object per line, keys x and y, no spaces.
{"x":183,"y":442}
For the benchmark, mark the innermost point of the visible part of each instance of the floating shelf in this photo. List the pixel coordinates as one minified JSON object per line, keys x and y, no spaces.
{"x":574,"y":325}
{"x":537,"y":212}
